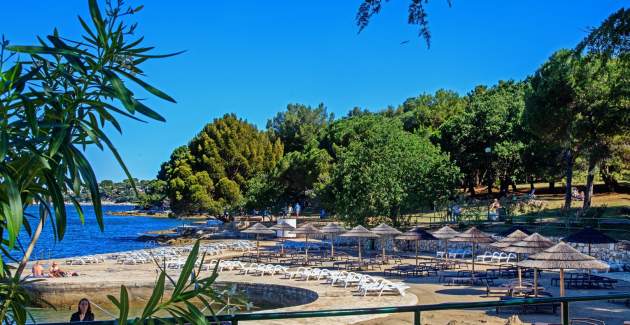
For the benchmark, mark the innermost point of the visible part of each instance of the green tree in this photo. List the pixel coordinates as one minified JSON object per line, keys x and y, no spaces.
{"x":550,"y":113}
{"x":581,"y":104}
{"x":603,"y":109}
{"x":212,"y":171}
{"x":485,"y":140}
{"x":430,"y":111}
{"x":299,"y":125}
{"x":389,"y":172}
{"x":300,"y":174}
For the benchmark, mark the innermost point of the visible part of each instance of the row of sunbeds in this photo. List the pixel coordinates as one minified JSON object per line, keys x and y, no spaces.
{"x":364,"y":283}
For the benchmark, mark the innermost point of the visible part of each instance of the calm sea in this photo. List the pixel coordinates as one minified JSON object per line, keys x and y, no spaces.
{"x":83,"y":239}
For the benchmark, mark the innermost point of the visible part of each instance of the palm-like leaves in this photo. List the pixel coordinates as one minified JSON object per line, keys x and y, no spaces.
{"x":56,"y":99}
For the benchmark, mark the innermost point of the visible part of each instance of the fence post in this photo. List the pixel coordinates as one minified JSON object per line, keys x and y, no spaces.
{"x":416,"y":317}
{"x":564,"y":311}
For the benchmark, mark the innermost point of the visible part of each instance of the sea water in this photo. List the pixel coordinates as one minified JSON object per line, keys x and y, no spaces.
{"x":120,"y":233}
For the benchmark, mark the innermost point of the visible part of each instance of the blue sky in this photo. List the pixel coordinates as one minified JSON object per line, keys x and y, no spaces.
{"x":254,"y":57}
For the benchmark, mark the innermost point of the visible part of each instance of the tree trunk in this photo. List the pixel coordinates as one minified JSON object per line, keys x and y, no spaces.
{"x":568,"y":158}
{"x":531,"y":185}
{"x":513,"y":183}
{"x":590,"y":178}
{"x":471,"y":186}
{"x":552,"y":186}
{"x":608,"y":178}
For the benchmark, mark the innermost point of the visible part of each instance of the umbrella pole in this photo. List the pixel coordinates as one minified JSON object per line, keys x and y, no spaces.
{"x":416,"y":252}
{"x":473,"y":260}
{"x":561,"y":282}
{"x":589,"y":254}
{"x":562,"y":311}
{"x":535,"y":283}
{"x":306,"y":260}
{"x":360,"y":259}
{"x":257,"y":248}
{"x":446,"y":248}
{"x":332,"y":246}
{"x":383,"y":244}
{"x":520,"y":277}
{"x":282,"y":246}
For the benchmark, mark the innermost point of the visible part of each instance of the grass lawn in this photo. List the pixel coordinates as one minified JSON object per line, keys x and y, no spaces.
{"x":613,"y":214}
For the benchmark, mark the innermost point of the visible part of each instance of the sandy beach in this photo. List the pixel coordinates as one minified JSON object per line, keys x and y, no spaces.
{"x":97,"y":280}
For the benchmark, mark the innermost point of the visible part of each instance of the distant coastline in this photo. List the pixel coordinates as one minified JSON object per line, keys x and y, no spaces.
{"x":103,"y":202}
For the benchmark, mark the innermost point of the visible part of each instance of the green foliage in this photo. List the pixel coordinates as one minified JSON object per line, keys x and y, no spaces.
{"x":299,"y":125}
{"x":299,"y":175}
{"x":55,"y":101}
{"x":388,"y":172}
{"x":213,"y":170}
{"x":430,"y":111}
{"x":491,"y":119}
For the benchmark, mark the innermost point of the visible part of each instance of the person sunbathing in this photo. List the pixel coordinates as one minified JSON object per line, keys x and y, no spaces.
{"x":38,"y":270}
{"x":55,"y":271}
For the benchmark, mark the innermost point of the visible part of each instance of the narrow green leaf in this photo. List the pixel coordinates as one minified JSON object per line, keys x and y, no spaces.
{"x":157,"y":294}
{"x":146,"y":86}
{"x":186,"y":270}
{"x":13,"y":212}
{"x":158,"y":56}
{"x":41,"y":50}
{"x":144,"y":110}
{"x":87,"y":173}
{"x":95,"y":13}
{"x":123,"y":306}
{"x":122,"y":93}
{"x":58,"y":204}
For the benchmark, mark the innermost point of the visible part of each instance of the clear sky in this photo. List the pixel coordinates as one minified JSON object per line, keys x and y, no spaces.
{"x":254,"y":57}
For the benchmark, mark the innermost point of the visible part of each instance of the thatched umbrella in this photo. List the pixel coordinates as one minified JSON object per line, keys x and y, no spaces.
{"x":589,"y":236}
{"x":512,"y":238}
{"x":384,"y":231}
{"x":474,"y":236}
{"x":359,"y":232}
{"x":512,"y":229}
{"x":258,"y":229}
{"x":445,"y":233}
{"x":416,"y":234}
{"x":562,"y":256}
{"x":282,"y":226}
{"x":532,"y":244}
{"x":333,"y":229}
{"x":306,"y":230}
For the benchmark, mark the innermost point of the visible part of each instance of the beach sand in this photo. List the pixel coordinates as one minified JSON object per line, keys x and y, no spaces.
{"x":97,"y":280}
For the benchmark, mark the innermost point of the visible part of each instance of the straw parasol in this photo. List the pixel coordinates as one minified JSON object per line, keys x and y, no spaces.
{"x":333,"y":229}
{"x":445,"y":233}
{"x":512,"y":229}
{"x":306,"y":230}
{"x":258,"y":229}
{"x":282,"y":226}
{"x":359,"y":232}
{"x":532,"y":244}
{"x":589,"y":236}
{"x":562,"y":256}
{"x":474,"y":236}
{"x":416,"y":234}
{"x":512,"y":238}
{"x":385,"y":230}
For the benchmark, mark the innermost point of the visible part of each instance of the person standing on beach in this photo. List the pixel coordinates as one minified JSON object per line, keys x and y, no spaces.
{"x":84,"y":312}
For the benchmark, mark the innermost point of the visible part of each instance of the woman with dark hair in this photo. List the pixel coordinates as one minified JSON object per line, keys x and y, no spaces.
{"x":84,"y":312}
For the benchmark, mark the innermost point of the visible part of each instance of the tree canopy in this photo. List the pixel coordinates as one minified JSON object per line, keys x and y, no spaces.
{"x":389,"y":172}
{"x":212,"y":172}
